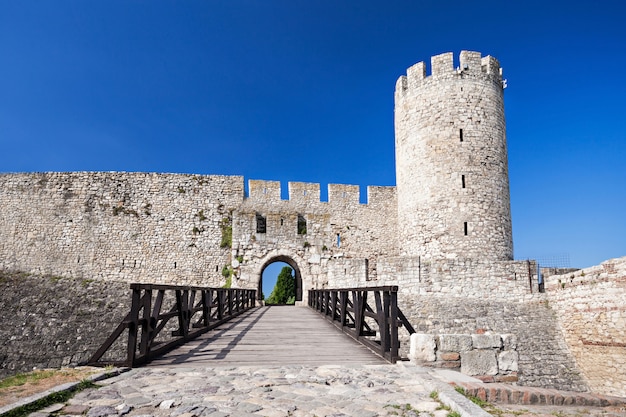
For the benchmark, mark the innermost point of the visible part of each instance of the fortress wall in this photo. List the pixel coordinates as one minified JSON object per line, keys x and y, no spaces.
{"x":168,"y":228}
{"x":590,"y":306}
{"x":131,"y":227}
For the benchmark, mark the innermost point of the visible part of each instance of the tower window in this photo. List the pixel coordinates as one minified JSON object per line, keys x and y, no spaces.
{"x":461,"y":134}
{"x":465,"y":228}
{"x":463,"y":181}
{"x":261,"y":223}
{"x":301,"y":225}
{"x":338,"y":240}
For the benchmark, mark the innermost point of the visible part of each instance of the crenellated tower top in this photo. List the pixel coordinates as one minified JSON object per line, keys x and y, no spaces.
{"x":471,"y":64}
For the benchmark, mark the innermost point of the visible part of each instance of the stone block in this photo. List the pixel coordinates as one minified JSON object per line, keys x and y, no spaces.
{"x":455,"y":342}
{"x":315,"y":259}
{"x":506,"y":378}
{"x":422,"y":347}
{"x":450,"y":364}
{"x":448,"y":356}
{"x":508,"y":360}
{"x":101,"y":411}
{"x":486,"y":341}
{"x":479,"y":362}
{"x":75,"y":409}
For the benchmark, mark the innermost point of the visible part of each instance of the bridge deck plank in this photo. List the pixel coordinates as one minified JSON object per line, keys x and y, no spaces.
{"x":272,"y":336}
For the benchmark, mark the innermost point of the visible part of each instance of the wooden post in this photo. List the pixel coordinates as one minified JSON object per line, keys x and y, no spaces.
{"x":382,"y":322}
{"x":146,"y":322}
{"x":133,"y":326}
{"x":393,"y":326}
{"x":343,"y":309}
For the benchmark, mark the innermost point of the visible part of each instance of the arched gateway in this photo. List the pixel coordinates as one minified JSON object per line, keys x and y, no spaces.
{"x":292,"y":264}
{"x":251,"y":271}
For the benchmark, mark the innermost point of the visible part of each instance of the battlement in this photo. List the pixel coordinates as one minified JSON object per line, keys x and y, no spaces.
{"x":442,"y":65}
{"x":343,"y":195}
{"x":264,"y":190}
{"x":304,"y":191}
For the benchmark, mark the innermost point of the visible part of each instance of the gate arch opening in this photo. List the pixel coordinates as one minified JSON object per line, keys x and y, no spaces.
{"x":296,"y":271}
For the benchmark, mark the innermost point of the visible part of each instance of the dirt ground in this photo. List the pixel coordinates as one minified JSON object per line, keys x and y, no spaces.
{"x":10,"y":395}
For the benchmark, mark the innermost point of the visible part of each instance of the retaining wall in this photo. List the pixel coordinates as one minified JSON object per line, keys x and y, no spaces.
{"x":49,"y":321}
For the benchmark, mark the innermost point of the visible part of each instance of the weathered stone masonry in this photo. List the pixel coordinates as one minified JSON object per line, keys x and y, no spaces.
{"x":590,"y":306}
{"x":132,"y":227}
{"x":443,"y":235}
{"x":169,"y":228}
{"x":451,"y":160}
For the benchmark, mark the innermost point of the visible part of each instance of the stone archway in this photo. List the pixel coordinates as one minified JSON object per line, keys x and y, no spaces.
{"x":289,"y":261}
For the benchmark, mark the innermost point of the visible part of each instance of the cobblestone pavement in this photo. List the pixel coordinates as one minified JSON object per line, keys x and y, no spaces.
{"x":365,"y":390}
{"x":331,"y":390}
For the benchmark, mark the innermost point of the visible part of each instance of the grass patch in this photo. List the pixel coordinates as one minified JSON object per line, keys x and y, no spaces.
{"x":226,"y":226}
{"x":54,"y":398}
{"x":435,"y":396}
{"x":21,"y":379}
{"x":402,"y":410}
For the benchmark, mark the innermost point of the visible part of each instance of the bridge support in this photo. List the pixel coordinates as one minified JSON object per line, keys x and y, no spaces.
{"x":209,"y":307}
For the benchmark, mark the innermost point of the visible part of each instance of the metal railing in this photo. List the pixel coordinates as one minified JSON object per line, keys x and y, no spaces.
{"x":376,"y":327}
{"x":209,"y":307}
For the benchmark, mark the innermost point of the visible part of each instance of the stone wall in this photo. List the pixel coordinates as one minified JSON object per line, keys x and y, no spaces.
{"x":476,"y":278}
{"x":49,"y":321}
{"x":132,"y":227}
{"x":590,"y":306}
{"x":170,"y":228}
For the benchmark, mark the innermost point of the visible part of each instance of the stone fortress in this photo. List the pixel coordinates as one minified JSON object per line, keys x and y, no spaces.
{"x":451,"y":202}
{"x":443,"y":234}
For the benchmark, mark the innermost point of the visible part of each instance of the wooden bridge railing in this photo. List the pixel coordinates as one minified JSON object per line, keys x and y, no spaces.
{"x":376,"y":327}
{"x":209,"y":307}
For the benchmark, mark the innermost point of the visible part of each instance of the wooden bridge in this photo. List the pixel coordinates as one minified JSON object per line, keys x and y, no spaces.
{"x":170,"y":325}
{"x":268,"y":336}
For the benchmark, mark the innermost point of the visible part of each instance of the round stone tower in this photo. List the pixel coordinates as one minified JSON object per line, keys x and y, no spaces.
{"x":451,"y":160}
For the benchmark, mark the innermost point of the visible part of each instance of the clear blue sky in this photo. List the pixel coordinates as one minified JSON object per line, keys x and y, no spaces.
{"x":297,"y":90}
